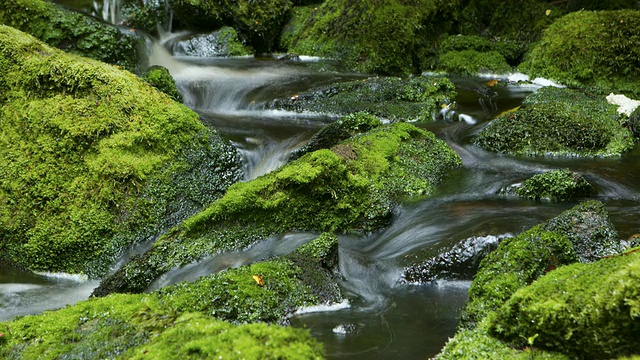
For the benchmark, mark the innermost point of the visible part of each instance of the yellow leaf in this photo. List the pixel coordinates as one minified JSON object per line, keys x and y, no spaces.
{"x":258,"y":280}
{"x":548,"y":12}
{"x":492,"y":82}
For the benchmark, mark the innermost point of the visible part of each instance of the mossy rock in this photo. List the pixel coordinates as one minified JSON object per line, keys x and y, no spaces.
{"x":219,"y":43}
{"x":142,"y":326}
{"x":160,"y":78}
{"x":472,"y":62}
{"x":147,"y":16}
{"x":634,"y":123}
{"x":352,"y":187}
{"x":584,"y":310}
{"x":411,"y":99}
{"x":93,"y":158}
{"x":509,"y":50}
{"x":73,"y":32}
{"x":596,"y":50}
{"x":558,"y":122}
{"x":258,"y":23}
{"x":555,"y":185}
{"x":521,"y":260}
{"x":388,"y":37}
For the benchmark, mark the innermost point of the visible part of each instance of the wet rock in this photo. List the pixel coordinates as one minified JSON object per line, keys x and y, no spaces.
{"x":461,"y":262}
{"x":413,"y":99}
{"x":160,"y":78}
{"x":220,"y":43}
{"x":555,"y":185}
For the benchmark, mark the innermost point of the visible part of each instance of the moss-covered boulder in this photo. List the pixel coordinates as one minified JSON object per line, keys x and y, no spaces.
{"x":382,"y":37}
{"x":73,"y":32}
{"x":519,"y":261}
{"x":160,"y":78}
{"x":597,"y":50}
{"x":558,"y":122}
{"x":354,"y":186}
{"x":584,"y":310}
{"x":471,"y":54}
{"x":94,"y":159}
{"x":555,"y":185}
{"x":144,"y":326}
{"x":411,"y":99}
{"x":259,"y":23}
{"x":219,"y":43}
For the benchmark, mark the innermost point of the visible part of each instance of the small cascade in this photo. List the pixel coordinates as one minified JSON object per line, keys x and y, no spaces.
{"x":111,"y":11}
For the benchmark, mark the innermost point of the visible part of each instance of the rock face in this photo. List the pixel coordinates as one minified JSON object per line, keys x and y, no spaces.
{"x":73,"y":32}
{"x":222,"y":42}
{"x":558,"y":122}
{"x":94,"y":159}
{"x":413,"y":99}
{"x":528,"y":293}
{"x":602,"y":54}
{"x":354,"y":186}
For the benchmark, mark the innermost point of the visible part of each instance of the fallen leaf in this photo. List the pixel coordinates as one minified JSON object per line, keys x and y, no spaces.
{"x":258,"y":280}
{"x":492,"y":82}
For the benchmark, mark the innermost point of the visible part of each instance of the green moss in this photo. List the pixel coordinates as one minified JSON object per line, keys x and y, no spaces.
{"x":411,"y":99}
{"x":556,"y":185}
{"x":73,"y":32}
{"x":352,"y":187}
{"x":222,"y":42}
{"x":555,"y":121}
{"x":83,"y":143}
{"x":471,"y":62}
{"x":135,"y":326}
{"x":257,"y":22}
{"x":594,"y":50}
{"x":585,"y":310}
{"x":383,"y":37}
{"x":160,"y":78}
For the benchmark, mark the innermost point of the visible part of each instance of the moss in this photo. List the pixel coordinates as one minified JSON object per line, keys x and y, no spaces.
{"x":556,"y":185}
{"x":471,"y":62}
{"x":352,"y":187}
{"x":634,"y":123}
{"x":84,"y":147}
{"x":412,"y":99}
{"x":555,"y":121}
{"x":257,"y":22}
{"x":382,"y":37}
{"x":594,"y":50}
{"x":570,"y":237}
{"x":585,"y":310}
{"x":222,"y":42}
{"x":73,"y":32}
{"x":160,"y":78}
{"x":132,"y":326}
{"x":147,"y":16}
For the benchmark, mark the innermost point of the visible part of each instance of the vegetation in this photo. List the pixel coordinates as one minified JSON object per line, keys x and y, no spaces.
{"x":160,"y":78}
{"x":593,"y":50}
{"x":89,"y":152}
{"x":556,"y":121}
{"x":354,"y":186}
{"x":222,"y":42}
{"x":556,"y":185}
{"x":73,"y":32}
{"x":413,"y":99}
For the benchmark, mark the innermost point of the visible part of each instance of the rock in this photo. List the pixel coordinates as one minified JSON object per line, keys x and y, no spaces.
{"x":222,"y":42}
{"x":558,"y":122}
{"x":160,"y":78}
{"x":555,"y":185}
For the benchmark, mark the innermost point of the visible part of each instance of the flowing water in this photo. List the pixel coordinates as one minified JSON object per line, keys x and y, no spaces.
{"x":383,"y":319}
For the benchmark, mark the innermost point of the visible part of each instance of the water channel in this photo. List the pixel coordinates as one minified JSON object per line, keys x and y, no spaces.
{"x":383,"y":318}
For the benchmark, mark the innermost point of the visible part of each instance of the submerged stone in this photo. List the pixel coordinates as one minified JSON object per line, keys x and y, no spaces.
{"x":558,"y":122}
{"x":352,"y":187}
{"x":555,"y":185}
{"x":412,"y":99}
{"x":73,"y":32}
{"x":94,"y":159}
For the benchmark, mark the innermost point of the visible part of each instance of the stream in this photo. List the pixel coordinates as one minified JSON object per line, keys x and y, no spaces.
{"x":383,"y":319}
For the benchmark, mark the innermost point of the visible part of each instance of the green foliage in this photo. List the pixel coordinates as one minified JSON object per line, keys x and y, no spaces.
{"x":585,"y":310}
{"x":136,"y":326}
{"x":411,"y":99}
{"x":72,"y":32}
{"x":556,"y":185}
{"x":594,"y":50}
{"x":555,"y":121}
{"x":160,"y":78}
{"x":257,"y":22}
{"x":352,"y":187}
{"x":82,"y":144}
{"x":383,"y":37}
{"x":471,"y":62}
{"x":234,"y":295}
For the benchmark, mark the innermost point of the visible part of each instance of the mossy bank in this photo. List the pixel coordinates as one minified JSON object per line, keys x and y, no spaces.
{"x":94,"y":159}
